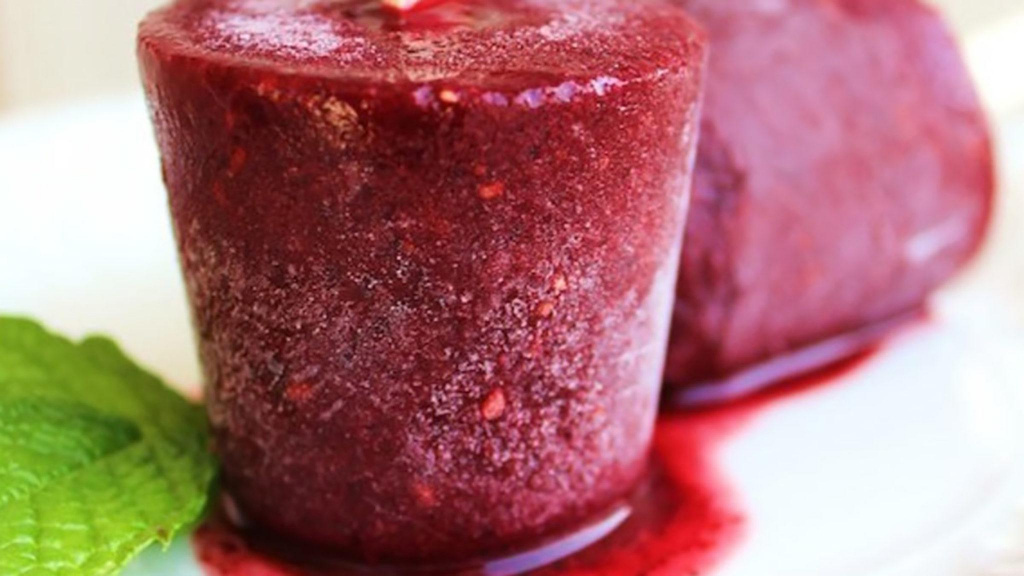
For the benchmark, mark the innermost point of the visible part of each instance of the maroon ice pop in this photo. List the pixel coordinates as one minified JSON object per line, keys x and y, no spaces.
{"x":430,"y":256}
{"x":844,"y":173}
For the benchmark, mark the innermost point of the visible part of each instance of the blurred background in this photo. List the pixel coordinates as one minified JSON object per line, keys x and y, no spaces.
{"x":58,"y":50}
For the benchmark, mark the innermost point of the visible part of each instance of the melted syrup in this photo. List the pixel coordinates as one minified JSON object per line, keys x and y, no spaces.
{"x":683,"y":521}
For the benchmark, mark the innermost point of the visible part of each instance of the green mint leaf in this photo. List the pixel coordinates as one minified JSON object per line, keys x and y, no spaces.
{"x":43,"y":440}
{"x":98,"y":458}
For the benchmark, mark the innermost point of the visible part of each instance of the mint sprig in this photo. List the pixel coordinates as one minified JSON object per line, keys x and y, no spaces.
{"x":98,"y":458}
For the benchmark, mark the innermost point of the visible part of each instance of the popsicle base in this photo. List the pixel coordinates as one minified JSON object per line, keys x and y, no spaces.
{"x":785,"y":369}
{"x":684,"y":519}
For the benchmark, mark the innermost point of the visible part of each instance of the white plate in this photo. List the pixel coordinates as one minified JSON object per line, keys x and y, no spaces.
{"x":913,"y":465}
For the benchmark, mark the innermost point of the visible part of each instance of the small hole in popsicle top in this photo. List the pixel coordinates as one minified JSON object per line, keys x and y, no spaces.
{"x":421,"y":15}
{"x":400,"y":5}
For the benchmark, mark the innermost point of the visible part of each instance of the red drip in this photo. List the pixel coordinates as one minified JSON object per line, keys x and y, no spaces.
{"x":685,"y":520}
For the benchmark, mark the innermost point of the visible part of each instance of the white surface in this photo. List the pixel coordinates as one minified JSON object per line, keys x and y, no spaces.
{"x":910,"y":467}
{"x":905,"y":467}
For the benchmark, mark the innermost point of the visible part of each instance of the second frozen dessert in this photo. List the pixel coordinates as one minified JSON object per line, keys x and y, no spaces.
{"x":844,"y":173}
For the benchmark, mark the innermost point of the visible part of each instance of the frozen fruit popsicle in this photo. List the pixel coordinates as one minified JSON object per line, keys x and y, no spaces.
{"x":430,"y":256}
{"x":844,"y":172}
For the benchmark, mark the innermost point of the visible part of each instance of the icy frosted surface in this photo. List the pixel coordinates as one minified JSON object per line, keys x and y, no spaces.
{"x":489,"y":42}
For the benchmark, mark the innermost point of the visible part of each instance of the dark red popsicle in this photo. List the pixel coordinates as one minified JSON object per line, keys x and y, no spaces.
{"x":430,"y":256}
{"x":844,"y":173}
